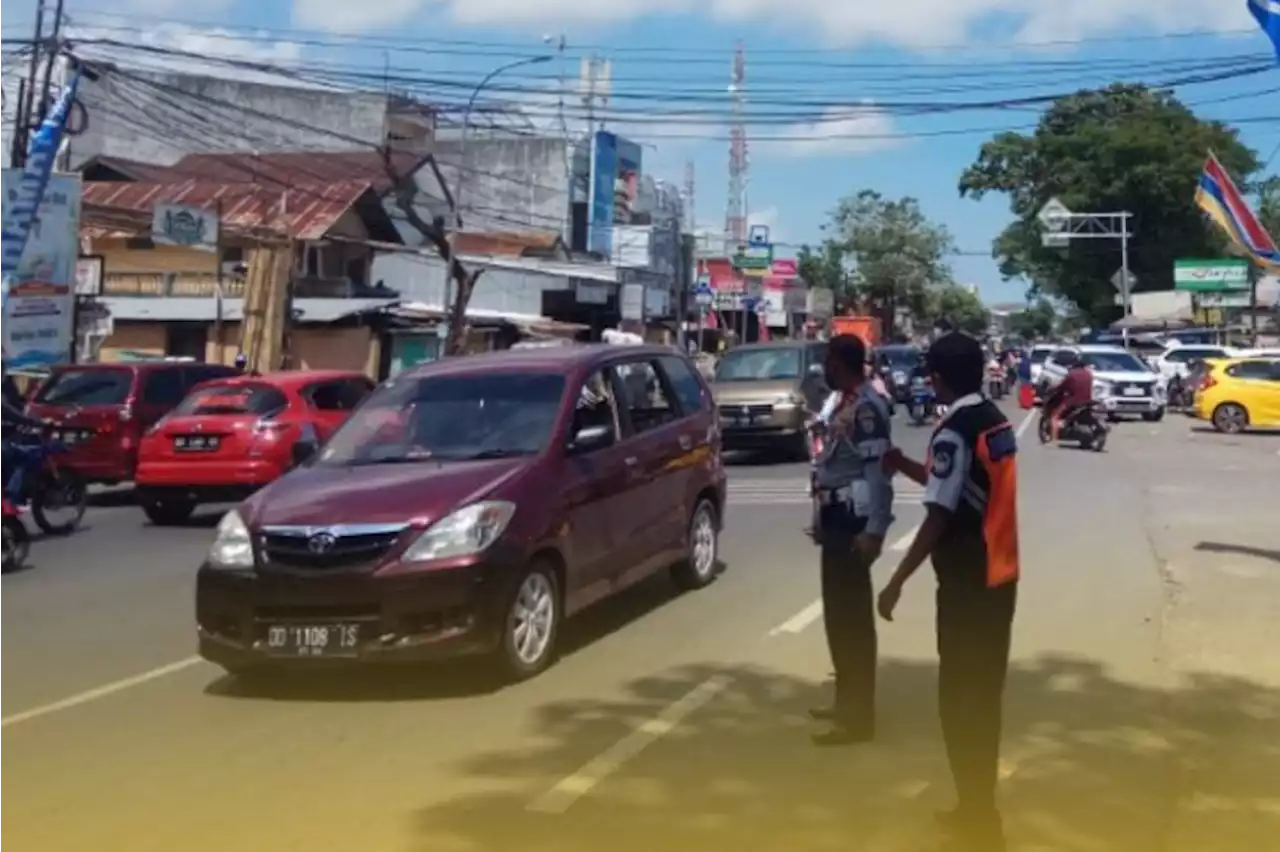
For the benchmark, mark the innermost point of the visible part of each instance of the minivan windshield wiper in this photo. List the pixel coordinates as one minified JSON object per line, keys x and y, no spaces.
{"x":494,"y":453}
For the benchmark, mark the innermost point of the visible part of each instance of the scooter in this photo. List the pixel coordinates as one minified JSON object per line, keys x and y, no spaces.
{"x":921,"y":404}
{"x":1085,"y":426}
{"x":45,"y":487}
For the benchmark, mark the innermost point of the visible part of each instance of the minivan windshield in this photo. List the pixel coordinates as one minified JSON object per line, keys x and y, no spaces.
{"x":759,"y":365}
{"x":450,"y":418}
{"x":87,"y":387}
{"x":900,"y":357}
{"x":232,"y":398}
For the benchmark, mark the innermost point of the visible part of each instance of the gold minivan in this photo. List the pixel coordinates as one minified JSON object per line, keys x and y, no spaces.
{"x":765,"y":392}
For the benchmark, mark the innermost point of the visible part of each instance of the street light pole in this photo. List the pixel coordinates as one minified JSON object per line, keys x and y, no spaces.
{"x":451,"y":236}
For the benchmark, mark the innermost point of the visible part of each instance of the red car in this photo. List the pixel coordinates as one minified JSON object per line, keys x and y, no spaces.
{"x":468,"y":507}
{"x":232,"y":436}
{"x":100,"y":411}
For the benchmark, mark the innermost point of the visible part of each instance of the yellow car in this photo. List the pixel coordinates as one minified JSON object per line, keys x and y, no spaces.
{"x":1240,"y":393}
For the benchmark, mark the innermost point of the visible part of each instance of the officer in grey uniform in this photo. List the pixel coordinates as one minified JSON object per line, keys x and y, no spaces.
{"x":856,"y":508}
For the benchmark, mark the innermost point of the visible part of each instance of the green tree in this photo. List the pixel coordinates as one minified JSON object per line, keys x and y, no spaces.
{"x":891,"y":255}
{"x":1123,"y":148}
{"x":826,"y":266}
{"x":1034,"y":322}
{"x":961,"y":307}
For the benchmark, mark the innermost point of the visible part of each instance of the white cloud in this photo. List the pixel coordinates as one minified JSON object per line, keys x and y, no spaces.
{"x":851,"y":131}
{"x":910,"y":23}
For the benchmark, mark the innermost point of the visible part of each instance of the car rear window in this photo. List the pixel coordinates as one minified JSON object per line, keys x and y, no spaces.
{"x":233,"y":399}
{"x":87,"y":387}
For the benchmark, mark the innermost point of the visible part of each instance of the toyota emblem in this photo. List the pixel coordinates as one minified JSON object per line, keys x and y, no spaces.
{"x":321,"y":543}
{"x":746,"y":410}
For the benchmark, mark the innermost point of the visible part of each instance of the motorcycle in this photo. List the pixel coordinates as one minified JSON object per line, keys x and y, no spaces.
{"x":921,"y":403}
{"x":45,"y":487}
{"x":996,"y":382}
{"x":17,"y":541}
{"x":1085,"y":425}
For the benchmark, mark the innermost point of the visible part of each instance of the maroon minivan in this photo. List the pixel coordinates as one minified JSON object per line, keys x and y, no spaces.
{"x":468,"y":507}
{"x":101,"y":411}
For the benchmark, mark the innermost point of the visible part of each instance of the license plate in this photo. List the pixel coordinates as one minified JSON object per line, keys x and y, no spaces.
{"x":196,"y":443}
{"x":71,"y":436}
{"x":1132,"y":391}
{"x":313,"y":640}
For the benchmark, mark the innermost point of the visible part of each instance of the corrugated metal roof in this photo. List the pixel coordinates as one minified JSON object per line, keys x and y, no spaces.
{"x":310,"y":210}
{"x":186,"y":309}
{"x":290,"y":168}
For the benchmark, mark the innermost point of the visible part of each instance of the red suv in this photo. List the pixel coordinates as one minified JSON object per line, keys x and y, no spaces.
{"x":469,"y":506}
{"x":100,"y":411}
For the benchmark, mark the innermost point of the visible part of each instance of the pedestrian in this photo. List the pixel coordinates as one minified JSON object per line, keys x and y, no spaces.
{"x":971,"y":533}
{"x":855,"y":503}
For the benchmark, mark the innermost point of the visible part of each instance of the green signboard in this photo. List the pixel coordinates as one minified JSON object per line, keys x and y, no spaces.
{"x":1210,"y":276}
{"x":754,"y":257}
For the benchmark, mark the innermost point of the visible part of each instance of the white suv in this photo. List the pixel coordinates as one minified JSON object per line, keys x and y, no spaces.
{"x":1176,"y":360}
{"x":1121,"y":381}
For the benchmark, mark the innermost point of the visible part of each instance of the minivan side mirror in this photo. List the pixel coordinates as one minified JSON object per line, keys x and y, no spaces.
{"x":303,"y":451}
{"x":591,"y":438}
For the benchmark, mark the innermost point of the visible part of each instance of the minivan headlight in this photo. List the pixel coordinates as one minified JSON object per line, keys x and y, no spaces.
{"x":1101,"y":390}
{"x":466,"y":532}
{"x":232,"y":545}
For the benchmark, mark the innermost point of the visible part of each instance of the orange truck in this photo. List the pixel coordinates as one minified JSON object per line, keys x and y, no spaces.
{"x":868,"y":328}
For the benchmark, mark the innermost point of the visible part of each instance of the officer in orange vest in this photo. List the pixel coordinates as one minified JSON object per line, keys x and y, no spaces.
{"x":971,"y":533}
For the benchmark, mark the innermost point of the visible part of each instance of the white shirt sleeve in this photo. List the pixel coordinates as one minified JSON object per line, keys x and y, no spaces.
{"x":829,"y":407}
{"x":949,"y":465}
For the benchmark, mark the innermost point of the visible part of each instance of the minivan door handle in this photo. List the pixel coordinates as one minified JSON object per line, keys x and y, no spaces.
{"x":631,"y":461}
{"x":686,"y":443}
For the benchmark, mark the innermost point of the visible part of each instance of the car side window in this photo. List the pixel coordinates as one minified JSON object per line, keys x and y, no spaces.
{"x":337,"y":395}
{"x":1250,"y":370}
{"x":163,"y":387}
{"x":817,"y":355}
{"x":1275,"y":371}
{"x":688,"y":388}
{"x":596,"y":406}
{"x":644,"y":396}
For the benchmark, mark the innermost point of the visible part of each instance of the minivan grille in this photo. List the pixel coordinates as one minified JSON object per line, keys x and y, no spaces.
{"x":748,"y":410}
{"x":347,"y":551}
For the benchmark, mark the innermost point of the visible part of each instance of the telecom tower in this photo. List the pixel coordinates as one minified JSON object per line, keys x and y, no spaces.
{"x":735,"y":217}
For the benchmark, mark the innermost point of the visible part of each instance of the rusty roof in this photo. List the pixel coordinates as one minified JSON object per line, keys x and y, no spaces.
{"x":132,"y":169}
{"x":507,"y":243}
{"x":303,"y":211}
{"x":293,"y":168}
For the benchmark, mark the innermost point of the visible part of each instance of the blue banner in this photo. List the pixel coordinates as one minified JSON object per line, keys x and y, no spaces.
{"x":1267,"y":14}
{"x":20,"y":210}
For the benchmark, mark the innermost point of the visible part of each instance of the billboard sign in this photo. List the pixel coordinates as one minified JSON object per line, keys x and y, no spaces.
{"x":39,"y":307}
{"x":189,"y":227}
{"x":784,"y":268}
{"x":615,"y":182}
{"x":1210,"y":276}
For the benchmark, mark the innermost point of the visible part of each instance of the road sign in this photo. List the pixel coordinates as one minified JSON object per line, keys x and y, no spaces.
{"x":785,"y":268}
{"x":1050,"y":239}
{"x":1055,"y":216}
{"x":758,"y":235}
{"x":1208,"y":276}
{"x":703,"y":294}
{"x":754,"y":257}
{"x":1117,"y":281}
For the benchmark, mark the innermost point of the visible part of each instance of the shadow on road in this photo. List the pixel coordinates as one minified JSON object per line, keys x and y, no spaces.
{"x":1238,"y":549}
{"x":1093,"y":765}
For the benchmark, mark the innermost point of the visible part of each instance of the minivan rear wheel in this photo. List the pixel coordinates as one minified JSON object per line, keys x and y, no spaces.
{"x":699,"y":567}
{"x":530,"y":624}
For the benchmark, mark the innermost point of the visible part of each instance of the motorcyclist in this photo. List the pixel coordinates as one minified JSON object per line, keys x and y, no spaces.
{"x":1074,"y":391}
{"x":14,"y":418}
{"x":920,"y":370}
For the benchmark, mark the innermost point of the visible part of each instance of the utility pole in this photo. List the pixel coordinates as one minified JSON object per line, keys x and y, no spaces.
{"x":26,"y":104}
{"x":53,"y":46}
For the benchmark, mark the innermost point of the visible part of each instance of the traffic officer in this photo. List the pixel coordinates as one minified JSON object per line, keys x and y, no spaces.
{"x":855,"y":508}
{"x":971,"y":532}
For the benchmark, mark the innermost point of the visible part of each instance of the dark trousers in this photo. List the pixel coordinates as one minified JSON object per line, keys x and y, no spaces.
{"x":848,"y":613}
{"x":974,"y":626}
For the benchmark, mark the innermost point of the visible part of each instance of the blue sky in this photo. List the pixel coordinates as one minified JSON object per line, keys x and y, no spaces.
{"x":670,"y":67}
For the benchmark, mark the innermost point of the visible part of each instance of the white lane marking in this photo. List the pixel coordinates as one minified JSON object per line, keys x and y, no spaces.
{"x":1026,"y":423}
{"x":568,"y":790}
{"x":99,"y":692}
{"x":905,"y":542}
{"x":802,"y":619}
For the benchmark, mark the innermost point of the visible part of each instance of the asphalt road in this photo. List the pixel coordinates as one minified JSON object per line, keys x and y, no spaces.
{"x":1143,"y":707}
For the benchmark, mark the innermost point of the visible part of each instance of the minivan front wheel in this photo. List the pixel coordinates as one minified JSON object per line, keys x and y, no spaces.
{"x":531,"y":624}
{"x":703,"y":561}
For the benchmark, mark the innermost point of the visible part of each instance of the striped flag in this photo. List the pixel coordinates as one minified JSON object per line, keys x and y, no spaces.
{"x":1267,"y":12}
{"x":1218,"y":196}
